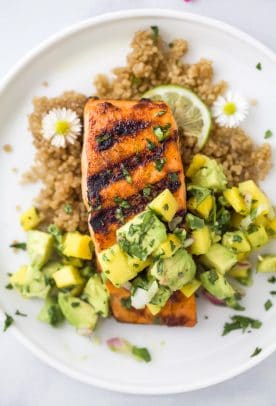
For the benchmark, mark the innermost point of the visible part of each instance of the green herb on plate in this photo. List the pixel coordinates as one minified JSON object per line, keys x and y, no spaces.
{"x":241,"y":323}
{"x":8,"y":322}
{"x":268,"y":304}
{"x":256,"y":352}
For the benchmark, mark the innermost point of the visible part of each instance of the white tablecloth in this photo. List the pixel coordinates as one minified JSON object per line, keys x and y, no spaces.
{"x":24,"y":380}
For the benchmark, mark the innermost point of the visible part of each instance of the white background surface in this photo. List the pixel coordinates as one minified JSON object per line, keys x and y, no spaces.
{"x":25,"y":381}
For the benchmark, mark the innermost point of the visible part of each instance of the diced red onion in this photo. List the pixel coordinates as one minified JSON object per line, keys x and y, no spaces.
{"x":214,"y":300}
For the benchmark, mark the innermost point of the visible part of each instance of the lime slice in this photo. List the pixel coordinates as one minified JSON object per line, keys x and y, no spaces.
{"x":190,"y":112}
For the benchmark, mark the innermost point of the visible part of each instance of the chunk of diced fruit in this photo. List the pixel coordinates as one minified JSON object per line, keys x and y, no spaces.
{"x":115,"y":265}
{"x":202,"y":209}
{"x":257,"y":236}
{"x":250,"y":190}
{"x":198,"y":162}
{"x":202,"y":241}
{"x":219,"y":258}
{"x":67,"y":276}
{"x":29,"y":219}
{"x":168,"y":247}
{"x":164,"y":205}
{"x":236,"y":200}
{"x":77,"y":245}
{"x":236,"y":241}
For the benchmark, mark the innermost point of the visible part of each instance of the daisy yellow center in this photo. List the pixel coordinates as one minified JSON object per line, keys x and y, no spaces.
{"x":62,"y":127}
{"x":229,"y":108}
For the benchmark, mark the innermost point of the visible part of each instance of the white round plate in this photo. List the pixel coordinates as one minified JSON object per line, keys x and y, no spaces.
{"x":183,"y":359}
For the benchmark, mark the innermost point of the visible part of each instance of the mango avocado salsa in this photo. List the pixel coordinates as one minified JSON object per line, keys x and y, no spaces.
{"x":158,"y":252}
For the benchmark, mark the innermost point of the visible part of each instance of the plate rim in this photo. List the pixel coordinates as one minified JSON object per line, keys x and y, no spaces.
{"x":8,"y":79}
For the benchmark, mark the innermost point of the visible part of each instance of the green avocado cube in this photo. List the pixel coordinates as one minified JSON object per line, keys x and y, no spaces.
{"x":96,"y":294}
{"x":39,"y":247}
{"x":257,"y":236}
{"x":141,"y":235}
{"x":219,"y":258}
{"x":216,"y":284}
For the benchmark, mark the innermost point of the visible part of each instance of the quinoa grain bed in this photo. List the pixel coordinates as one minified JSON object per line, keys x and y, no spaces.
{"x":151,"y":63}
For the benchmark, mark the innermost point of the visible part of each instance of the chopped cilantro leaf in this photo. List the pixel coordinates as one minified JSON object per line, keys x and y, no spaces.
{"x":160,"y":163}
{"x":9,"y":286}
{"x":272,"y":279}
{"x":268,"y":134}
{"x":241,"y":322}
{"x":127,"y":175}
{"x":141,"y":353}
{"x":273,"y":292}
{"x":173,"y":177}
{"x":121,"y":202}
{"x":155,"y":32}
{"x":259,"y":66}
{"x":19,"y":245}
{"x":213,"y":276}
{"x":161,"y":132}
{"x":68,"y":208}
{"x":166,"y":207}
{"x":151,"y":146}
{"x":237,"y":238}
{"x":8,"y":322}
{"x":268,"y":304}
{"x":160,"y":113}
{"x":18,"y":313}
{"x":147,"y":191}
{"x":126,"y":302}
{"x":256,"y":352}
{"x":75,"y":304}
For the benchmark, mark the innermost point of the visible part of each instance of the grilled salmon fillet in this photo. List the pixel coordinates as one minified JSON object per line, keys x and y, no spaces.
{"x":122,"y":159}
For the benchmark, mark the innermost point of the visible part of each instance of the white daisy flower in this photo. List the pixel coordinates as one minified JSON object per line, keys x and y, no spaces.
{"x":61,"y":126}
{"x":230,"y":110}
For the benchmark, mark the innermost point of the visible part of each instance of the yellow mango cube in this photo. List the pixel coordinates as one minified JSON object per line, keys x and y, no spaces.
{"x":258,"y":237}
{"x":29,"y":219}
{"x":190,"y":288}
{"x":198,"y":162}
{"x":137,"y":265}
{"x":259,"y":199}
{"x":67,"y":276}
{"x":164,"y":205}
{"x":235,"y":199}
{"x":202,"y":241}
{"x":202,"y":209}
{"x":77,"y":245}
{"x":241,"y":256}
{"x":154,"y":309}
{"x":18,"y":278}
{"x":238,"y":273}
{"x":261,"y":220}
{"x":115,"y":265}
{"x":168,"y":247}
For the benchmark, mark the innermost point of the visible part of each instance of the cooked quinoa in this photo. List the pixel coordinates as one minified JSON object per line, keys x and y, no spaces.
{"x":150,"y":63}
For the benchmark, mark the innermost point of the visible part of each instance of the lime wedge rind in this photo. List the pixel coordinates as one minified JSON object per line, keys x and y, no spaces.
{"x":190,"y":112}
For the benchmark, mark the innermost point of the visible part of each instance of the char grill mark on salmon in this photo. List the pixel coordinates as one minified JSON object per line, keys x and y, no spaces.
{"x":101,"y":220}
{"x":110,"y":136}
{"x":117,"y":171}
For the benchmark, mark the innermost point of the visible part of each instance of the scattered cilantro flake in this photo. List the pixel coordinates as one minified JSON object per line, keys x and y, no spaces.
{"x":256,"y":352}
{"x":19,"y":245}
{"x":136,"y":81}
{"x":126,"y":302}
{"x":119,"y":214}
{"x":172,"y":245}
{"x":194,"y":222}
{"x":147,"y":191}
{"x":241,"y":323}
{"x":121,"y":202}
{"x":161,"y":131}
{"x":151,"y":146}
{"x":8,"y":322}
{"x":9,"y":286}
{"x":272,"y":279}
{"x":268,"y":134}
{"x":68,"y":208}
{"x":166,"y":207}
{"x":173,"y":177}
{"x":268,"y":304}
{"x":213,"y":276}
{"x":160,"y":163}
{"x":127,"y":175}
{"x":237,"y":238}
{"x":141,"y":353}
{"x":155,"y":32}
{"x":18,"y":313}
{"x":259,"y":66}
{"x":160,"y":113}
{"x":75,"y":304}
{"x":273,"y":292}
